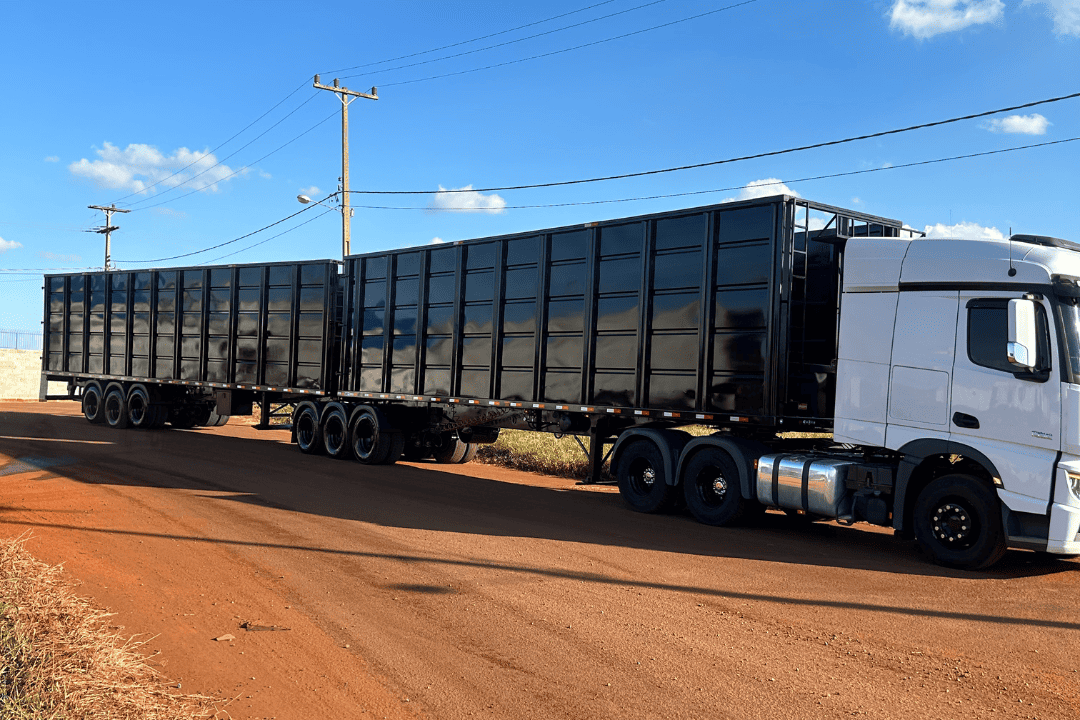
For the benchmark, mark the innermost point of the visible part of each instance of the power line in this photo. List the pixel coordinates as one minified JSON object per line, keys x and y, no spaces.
{"x":570,"y":49}
{"x":229,"y":242}
{"x":740,"y":187}
{"x":237,"y":252}
{"x":222,"y":161}
{"x":510,"y":42}
{"x":219,"y":146}
{"x":240,"y":170}
{"x":725,"y":161}
{"x":466,"y":42}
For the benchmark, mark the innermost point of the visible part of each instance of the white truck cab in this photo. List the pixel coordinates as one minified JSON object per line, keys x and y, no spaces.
{"x":963,"y":357}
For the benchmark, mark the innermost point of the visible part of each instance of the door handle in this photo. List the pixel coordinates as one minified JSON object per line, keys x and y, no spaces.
{"x":965,"y":421}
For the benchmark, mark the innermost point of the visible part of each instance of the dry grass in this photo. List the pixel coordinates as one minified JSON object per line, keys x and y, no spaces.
{"x":60,"y":659}
{"x":562,"y":457}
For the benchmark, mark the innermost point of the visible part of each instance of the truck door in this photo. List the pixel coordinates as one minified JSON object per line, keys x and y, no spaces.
{"x":1013,"y":418}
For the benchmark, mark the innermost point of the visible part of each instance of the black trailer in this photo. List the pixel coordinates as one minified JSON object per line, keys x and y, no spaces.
{"x":190,"y":346}
{"x":622,"y":330}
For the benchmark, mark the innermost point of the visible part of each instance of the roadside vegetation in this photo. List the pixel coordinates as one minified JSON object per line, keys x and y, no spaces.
{"x":60,"y":659}
{"x":562,"y":456}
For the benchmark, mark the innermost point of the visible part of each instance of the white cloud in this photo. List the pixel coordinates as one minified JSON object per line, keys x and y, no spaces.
{"x":466,"y":199}
{"x":436,"y":241}
{"x":1034,"y":124}
{"x":762,"y":188}
{"x":966,"y":230}
{"x":6,"y":245}
{"x":311,"y":192}
{"x":924,"y":19}
{"x":52,"y":158}
{"x":1064,"y":13}
{"x":58,"y":257}
{"x":138,"y":166}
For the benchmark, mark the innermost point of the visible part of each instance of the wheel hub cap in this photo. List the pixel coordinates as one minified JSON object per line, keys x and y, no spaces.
{"x":952,"y":524}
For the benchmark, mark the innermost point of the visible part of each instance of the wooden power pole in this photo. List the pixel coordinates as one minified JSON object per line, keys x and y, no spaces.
{"x":346,"y":96}
{"x":107,"y":230}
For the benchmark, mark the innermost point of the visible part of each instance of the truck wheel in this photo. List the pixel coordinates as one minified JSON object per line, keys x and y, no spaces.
{"x":370,"y":445}
{"x":643,"y":479}
{"x":307,"y":430}
{"x":396,"y":443}
{"x":140,"y":411}
{"x":450,"y":450}
{"x":160,"y":416}
{"x":958,"y":523}
{"x":335,"y":432}
{"x":212,"y":419}
{"x":470,"y":452}
{"x":93,"y":404}
{"x":712,"y":488}
{"x":116,"y":414}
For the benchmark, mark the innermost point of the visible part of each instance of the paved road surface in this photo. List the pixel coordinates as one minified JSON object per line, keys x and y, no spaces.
{"x":414,"y":591}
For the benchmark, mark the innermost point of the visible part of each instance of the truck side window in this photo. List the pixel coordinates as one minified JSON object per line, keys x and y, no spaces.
{"x":988,"y":335}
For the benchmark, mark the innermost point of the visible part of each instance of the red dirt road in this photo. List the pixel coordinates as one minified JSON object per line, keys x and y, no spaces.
{"x":418,"y":591}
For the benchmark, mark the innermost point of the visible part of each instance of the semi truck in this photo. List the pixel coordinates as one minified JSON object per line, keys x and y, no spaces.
{"x":846,"y":367}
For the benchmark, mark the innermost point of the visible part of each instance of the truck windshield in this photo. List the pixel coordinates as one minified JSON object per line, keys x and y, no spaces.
{"x":1069,"y":313}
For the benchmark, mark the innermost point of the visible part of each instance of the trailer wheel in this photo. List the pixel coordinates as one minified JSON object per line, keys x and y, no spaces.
{"x":712,"y":488}
{"x":370,"y":445}
{"x":307,"y":430}
{"x":140,"y":410}
{"x":335,"y":432}
{"x":470,"y":452}
{"x":396,"y":447}
{"x":160,"y":415}
{"x":958,"y":523}
{"x":642,"y":478}
{"x":116,"y":414}
{"x":450,"y":450}
{"x":93,"y":404}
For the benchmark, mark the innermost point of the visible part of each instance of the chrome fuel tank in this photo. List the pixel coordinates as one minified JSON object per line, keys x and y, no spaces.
{"x":803,"y":482}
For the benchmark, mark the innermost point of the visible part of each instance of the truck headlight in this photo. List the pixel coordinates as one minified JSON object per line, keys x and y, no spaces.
{"x":1074,"y":483}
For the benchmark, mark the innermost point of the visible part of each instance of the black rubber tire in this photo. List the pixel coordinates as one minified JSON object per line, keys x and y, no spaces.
{"x":958,"y":522}
{"x":396,"y":443}
{"x":470,"y":452}
{"x":414,"y":452}
{"x":93,"y":403}
{"x":161,"y":415}
{"x":450,"y":451}
{"x":335,"y":432}
{"x":307,"y":430}
{"x":713,"y":489}
{"x":643,"y":479}
{"x":116,"y":415}
{"x":370,"y":445}
{"x":140,"y":409}
{"x":212,"y":419}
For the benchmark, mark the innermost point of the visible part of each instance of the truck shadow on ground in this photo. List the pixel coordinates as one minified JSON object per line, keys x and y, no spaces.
{"x":267,"y":471}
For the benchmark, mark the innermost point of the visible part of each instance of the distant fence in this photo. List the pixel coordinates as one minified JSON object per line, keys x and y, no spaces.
{"x":20,"y":340}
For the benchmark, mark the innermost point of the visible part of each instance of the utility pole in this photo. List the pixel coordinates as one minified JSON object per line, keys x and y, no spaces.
{"x":107,"y":230}
{"x":346,"y":96}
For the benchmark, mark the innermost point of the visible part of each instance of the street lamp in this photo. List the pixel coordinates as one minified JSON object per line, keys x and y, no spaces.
{"x":305,"y":200}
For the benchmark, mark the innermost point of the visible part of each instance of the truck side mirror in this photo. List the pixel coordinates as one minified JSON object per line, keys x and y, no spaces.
{"x":1022,"y":343}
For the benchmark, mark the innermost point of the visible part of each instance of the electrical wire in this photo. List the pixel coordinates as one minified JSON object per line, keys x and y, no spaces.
{"x":466,"y":42}
{"x":725,"y":161}
{"x":222,"y":161}
{"x":509,"y":42}
{"x":739,"y":187}
{"x":237,"y":252}
{"x":240,"y":170}
{"x":229,"y":242}
{"x":219,"y":146}
{"x":566,"y":50}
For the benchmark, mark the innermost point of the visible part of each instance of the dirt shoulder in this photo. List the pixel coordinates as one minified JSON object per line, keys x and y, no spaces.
{"x":453,"y":592}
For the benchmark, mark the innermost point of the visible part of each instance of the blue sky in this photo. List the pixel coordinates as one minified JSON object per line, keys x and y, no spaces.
{"x":103,"y":100}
